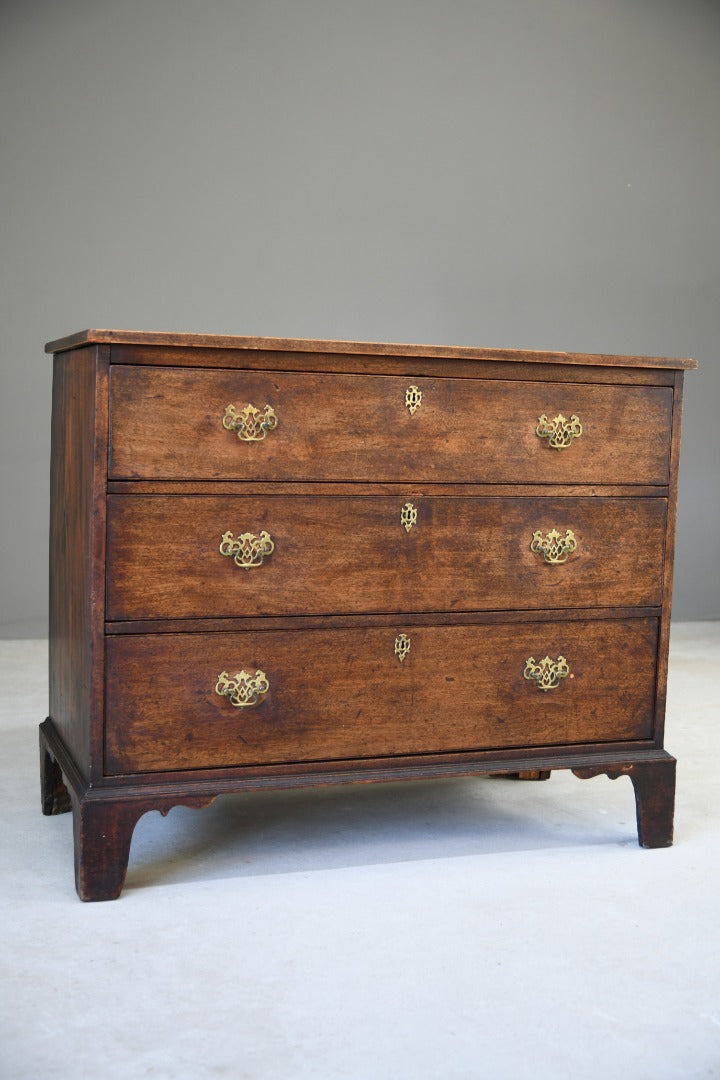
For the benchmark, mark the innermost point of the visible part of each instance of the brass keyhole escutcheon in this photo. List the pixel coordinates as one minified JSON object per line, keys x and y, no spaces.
{"x":402,"y":646}
{"x":413,"y":399}
{"x":408,"y":516}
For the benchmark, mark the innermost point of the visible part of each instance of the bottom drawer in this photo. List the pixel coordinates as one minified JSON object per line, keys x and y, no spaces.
{"x":319,"y":694}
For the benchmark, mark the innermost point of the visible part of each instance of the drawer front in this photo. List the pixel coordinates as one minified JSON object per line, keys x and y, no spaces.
{"x":319,"y":554}
{"x":345,"y":694}
{"x":169,"y":424}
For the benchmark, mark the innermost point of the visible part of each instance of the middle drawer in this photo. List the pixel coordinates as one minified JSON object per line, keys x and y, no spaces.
{"x":173,"y":556}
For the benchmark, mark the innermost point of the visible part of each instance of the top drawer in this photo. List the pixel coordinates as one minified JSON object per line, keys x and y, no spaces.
{"x":167,"y":423}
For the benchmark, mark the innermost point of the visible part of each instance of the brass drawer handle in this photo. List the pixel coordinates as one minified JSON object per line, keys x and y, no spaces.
{"x":553,"y":547}
{"x":559,"y":431}
{"x":242,"y":688}
{"x":250,"y":424}
{"x":547,"y":673}
{"x":247,"y":549}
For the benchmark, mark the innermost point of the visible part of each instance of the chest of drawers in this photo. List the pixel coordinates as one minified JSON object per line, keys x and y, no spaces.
{"x":278,"y":563}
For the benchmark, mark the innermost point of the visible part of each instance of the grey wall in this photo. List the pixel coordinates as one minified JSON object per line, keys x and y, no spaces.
{"x":522,"y":173}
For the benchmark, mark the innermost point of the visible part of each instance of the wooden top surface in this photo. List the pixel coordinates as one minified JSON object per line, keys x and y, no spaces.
{"x":307,"y":345}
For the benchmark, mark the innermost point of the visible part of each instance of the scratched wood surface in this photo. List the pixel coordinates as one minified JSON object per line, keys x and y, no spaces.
{"x":167,"y":424}
{"x":353,"y":554}
{"x":345,"y":694}
{"x":146,"y":612}
{"x":197,"y":342}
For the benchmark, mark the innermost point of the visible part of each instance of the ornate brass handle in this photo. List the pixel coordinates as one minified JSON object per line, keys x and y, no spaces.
{"x":554,"y":548}
{"x":559,"y":431}
{"x":250,"y":424}
{"x":247,"y":550}
{"x":547,"y":673}
{"x":242,"y":688}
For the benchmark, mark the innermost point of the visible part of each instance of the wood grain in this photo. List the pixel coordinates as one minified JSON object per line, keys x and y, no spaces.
{"x":144,"y":337}
{"x":654,"y":785}
{"x":359,"y":363}
{"x":167,"y":424}
{"x":348,"y":554}
{"x":406,"y":489}
{"x":214,"y":781}
{"x":141,"y":461}
{"x":374,"y":619}
{"x":77,"y":551}
{"x":344,"y":694}
{"x":668,"y":564}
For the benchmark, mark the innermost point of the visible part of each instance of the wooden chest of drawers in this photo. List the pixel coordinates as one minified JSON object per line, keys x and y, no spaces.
{"x":278,"y":563}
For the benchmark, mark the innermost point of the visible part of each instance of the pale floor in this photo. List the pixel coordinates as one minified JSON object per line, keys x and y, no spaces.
{"x":448,"y":930}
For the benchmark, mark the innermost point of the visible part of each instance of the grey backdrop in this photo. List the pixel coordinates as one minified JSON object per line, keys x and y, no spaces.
{"x":520,"y":173}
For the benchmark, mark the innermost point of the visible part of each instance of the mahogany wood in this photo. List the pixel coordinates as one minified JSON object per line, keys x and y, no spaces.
{"x":231,"y":341}
{"x":54,"y":795}
{"x":218,"y":780}
{"x":167,"y":424}
{"x":463,"y":554}
{"x":406,"y":489}
{"x":669,"y":560}
{"x":654,"y":786}
{"x":344,"y":693}
{"x":135,"y":722}
{"x":363,"y":619}
{"x":363,"y":364}
{"x":102,"y":831}
{"x":78,"y":472}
